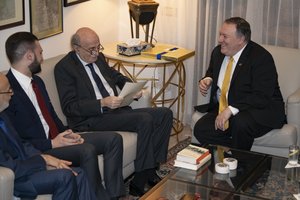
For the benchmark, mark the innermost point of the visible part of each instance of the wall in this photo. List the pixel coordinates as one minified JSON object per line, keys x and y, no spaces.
{"x":101,"y":15}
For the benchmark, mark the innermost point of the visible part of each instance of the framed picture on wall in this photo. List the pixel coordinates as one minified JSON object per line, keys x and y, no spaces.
{"x":46,"y":18}
{"x":11,"y":13}
{"x":72,"y":2}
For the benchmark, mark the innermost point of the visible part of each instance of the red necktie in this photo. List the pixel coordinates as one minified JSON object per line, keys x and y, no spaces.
{"x":53,"y":132}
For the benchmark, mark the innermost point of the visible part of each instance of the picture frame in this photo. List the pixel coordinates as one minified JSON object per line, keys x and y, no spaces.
{"x":72,"y":2}
{"x":11,"y":13}
{"x":46,"y":18}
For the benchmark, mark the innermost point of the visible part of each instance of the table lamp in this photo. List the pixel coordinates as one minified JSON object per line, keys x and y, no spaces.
{"x":143,"y":12}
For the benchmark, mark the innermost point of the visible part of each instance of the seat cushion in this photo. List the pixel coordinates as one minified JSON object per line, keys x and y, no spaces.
{"x":280,"y":138}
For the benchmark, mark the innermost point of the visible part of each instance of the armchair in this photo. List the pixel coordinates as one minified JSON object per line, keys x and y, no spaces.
{"x":277,"y":141}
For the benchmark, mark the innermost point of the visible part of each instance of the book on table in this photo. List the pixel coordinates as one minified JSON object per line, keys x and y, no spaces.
{"x":168,"y":52}
{"x":192,"y":154}
{"x":187,"y":165}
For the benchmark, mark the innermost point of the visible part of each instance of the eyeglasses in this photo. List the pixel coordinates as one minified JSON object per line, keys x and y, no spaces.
{"x":10,"y":91}
{"x":93,"y":51}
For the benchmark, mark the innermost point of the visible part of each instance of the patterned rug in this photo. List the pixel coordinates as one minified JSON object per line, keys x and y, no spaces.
{"x":167,"y":167}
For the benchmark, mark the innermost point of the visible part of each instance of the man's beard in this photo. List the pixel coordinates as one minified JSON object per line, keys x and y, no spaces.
{"x":35,"y":67}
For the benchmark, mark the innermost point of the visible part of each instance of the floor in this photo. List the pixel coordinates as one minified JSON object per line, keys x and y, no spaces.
{"x":186,"y":132}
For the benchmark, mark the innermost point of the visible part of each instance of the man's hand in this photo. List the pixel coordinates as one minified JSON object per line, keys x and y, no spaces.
{"x":138,"y":95}
{"x":53,"y":162}
{"x":204,"y":85}
{"x":112,"y":102}
{"x":66,"y":138}
{"x":222,"y":118}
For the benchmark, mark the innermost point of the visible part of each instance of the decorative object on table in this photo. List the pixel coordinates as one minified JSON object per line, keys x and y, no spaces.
{"x":168,"y":52}
{"x":231,"y":162}
{"x":222,"y":168}
{"x":132,"y":47}
{"x":46,"y":18}
{"x":143,"y":12}
{"x":11,"y":13}
{"x":192,"y":157}
{"x":293,"y":155}
{"x":72,"y":2}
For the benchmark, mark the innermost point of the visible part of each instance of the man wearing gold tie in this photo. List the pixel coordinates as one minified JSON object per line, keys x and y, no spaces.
{"x":245,"y":98}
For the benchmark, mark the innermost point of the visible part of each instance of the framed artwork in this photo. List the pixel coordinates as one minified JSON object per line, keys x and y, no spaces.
{"x":11,"y":13}
{"x":72,"y":2}
{"x":46,"y":18}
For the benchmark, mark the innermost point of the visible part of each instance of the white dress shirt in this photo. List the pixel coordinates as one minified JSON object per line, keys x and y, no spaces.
{"x":222,"y":74}
{"x":105,"y":83}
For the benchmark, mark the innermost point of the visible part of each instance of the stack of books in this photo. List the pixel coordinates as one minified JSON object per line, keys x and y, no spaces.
{"x":192,"y":157}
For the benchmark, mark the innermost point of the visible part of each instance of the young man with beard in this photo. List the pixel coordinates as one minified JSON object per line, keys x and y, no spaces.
{"x":33,"y":115}
{"x":30,"y":166}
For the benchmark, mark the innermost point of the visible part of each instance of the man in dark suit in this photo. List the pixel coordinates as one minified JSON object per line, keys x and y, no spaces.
{"x":30,"y":166}
{"x":93,"y":105}
{"x":28,"y":115}
{"x":252,"y":104}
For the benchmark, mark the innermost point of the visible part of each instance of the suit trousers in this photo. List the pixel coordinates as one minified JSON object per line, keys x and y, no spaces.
{"x":61,"y":183}
{"x":86,"y":156}
{"x":153,"y":126}
{"x":241,"y":132}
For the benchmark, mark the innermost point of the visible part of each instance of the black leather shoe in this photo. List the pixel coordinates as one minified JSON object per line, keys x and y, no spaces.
{"x":154,"y":180}
{"x":135,"y":191}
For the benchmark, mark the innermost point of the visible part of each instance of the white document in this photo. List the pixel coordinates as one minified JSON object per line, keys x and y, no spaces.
{"x":129,"y":91}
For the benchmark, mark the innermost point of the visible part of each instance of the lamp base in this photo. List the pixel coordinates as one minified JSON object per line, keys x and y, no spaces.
{"x":143,"y":1}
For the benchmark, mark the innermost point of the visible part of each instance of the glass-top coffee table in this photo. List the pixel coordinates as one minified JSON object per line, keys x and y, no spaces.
{"x":258,"y":176}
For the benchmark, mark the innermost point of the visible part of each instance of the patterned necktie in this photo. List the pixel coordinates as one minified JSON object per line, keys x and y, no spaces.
{"x":53,"y":131}
{"x":223,"y":103}
{"x":98,"y":81}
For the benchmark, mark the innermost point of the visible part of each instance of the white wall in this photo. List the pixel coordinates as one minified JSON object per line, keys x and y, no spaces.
{"x":100,"y":15}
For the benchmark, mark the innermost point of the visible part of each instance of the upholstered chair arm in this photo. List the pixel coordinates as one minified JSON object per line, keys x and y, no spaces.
{"x":6,"y":183}
{"x":293,"y":111}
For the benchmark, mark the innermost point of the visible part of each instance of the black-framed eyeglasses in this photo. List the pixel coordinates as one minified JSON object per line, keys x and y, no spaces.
{"x":93,"y":51}
{"x":10,"y":91}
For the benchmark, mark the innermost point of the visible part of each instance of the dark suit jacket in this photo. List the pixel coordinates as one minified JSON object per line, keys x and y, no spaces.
{"x":22,"y":158}
{"x":24,"y":116}
{"x":76,"y":92}
{"x":254,"y":86}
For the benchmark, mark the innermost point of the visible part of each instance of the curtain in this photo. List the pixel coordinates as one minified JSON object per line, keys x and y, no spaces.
{"x":176,"y":24}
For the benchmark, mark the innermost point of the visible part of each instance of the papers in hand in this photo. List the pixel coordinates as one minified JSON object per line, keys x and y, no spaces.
{"x":129,"y":91}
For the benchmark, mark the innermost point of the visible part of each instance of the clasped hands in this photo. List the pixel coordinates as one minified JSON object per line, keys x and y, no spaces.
{"x":66,"y":138}
{"x":114,"y":102}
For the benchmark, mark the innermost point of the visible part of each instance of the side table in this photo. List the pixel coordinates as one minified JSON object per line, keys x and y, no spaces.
{"x":135,"y":66}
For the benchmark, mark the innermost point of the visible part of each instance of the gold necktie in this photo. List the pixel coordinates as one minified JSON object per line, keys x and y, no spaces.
{"x":223,"y":103}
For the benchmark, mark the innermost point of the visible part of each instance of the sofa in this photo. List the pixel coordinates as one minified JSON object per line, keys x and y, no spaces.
{"x":277,"y":141}
{"x":129,"y":138}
